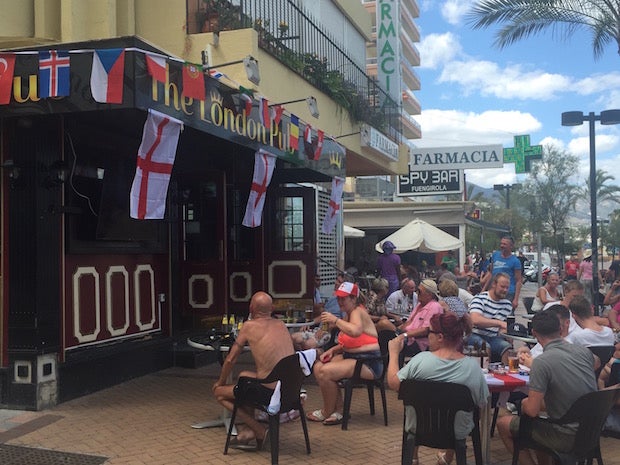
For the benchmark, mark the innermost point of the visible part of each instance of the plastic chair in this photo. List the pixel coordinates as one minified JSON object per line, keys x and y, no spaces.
{"x":356,"y":381}
{"x":288,"y":372}
{"x":590,"y":411}
{"x":604,"y":353}
{"x":436,"y":404}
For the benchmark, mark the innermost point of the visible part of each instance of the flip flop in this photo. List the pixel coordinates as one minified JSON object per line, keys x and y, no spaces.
{"x":317,"y":415}
{"x":334,"y":419}
{"x":245,"y":446}
{"x":263,"y":444}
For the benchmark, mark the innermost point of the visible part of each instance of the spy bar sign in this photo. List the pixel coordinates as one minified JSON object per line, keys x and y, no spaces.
{"x":430,"y":183}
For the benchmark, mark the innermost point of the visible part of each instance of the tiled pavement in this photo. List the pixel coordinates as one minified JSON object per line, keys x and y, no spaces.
{"x":147,"y":421}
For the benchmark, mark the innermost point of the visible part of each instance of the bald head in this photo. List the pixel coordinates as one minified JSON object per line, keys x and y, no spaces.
{"x":261,"y":303}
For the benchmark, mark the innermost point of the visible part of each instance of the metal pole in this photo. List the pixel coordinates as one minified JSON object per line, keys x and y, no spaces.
{"x":593,"y":214}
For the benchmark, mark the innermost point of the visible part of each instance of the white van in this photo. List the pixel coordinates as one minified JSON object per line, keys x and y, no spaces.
{"x":545,"y":258}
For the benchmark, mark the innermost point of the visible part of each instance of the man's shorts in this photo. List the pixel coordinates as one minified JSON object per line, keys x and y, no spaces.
{"x":497,"y":344}
{"x":251,"y":392}
{"x":546,"y":434}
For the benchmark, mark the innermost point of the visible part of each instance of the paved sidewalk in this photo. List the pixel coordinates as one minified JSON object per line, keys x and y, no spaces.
{"x":147,"y":421}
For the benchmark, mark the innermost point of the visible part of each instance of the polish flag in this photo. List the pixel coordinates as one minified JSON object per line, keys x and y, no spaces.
{"x":156,"y":156}
{"x":331,"y":215}
{"x":7,"y":67}
{"x":264,"y":164}
{"x":106,"y":77}
{"x":156,"y":67}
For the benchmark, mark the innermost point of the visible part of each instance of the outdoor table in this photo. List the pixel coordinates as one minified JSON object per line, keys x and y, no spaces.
{"x":529,"y":341}
{"x":503,"y":384}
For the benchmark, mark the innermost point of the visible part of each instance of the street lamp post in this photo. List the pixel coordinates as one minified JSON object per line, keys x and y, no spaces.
{"x":507,"y":188}
{"x":577,"y":118}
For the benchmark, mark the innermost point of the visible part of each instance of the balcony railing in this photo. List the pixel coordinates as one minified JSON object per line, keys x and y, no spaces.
{"x":287,"y":33}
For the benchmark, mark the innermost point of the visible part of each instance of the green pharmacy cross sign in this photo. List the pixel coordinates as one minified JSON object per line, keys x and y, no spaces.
{"x":522,"y":154}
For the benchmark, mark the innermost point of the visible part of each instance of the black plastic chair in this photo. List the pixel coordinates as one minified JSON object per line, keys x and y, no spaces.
{"x":590,"y":411}
{"x":356,"y":381}
{"x":604,"y":353}
{"x":288,"y":372}
{"x":436,"y":404}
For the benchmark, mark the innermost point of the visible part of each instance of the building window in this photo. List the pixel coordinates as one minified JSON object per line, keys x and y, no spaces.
{"x":290,"y":228}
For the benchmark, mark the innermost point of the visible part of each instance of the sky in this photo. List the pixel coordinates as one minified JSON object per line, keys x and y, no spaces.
{"x":474,"y":93}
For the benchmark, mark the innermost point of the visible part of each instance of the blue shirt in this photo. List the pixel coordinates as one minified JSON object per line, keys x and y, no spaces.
{"x":506,"y":265}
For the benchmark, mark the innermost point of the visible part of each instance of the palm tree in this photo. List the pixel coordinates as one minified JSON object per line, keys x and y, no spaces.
{"x":603,"y":191}
{"x":520,"y":19}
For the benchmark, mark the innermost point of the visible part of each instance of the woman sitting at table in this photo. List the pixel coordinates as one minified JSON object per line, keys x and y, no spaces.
{"x":357,"y":340}
{"x":547,"y":293}
{"x":445,"y":362}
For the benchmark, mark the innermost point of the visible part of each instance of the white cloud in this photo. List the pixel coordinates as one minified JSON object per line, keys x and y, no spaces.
{"x":510,"y":82}
{"x":438,"y":49}
{"x":454,"y":10}
{"x":454,"y":127}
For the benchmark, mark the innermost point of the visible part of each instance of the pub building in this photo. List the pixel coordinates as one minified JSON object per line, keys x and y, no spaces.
{"x":92,"y":297}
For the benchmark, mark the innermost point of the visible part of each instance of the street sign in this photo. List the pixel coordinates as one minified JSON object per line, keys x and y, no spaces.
{"x":430,"y":183}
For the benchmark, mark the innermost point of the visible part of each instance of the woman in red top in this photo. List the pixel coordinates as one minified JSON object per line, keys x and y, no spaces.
{"x":357,"y":340}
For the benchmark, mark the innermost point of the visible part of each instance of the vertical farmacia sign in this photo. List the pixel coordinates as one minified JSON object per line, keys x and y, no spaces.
{"x":388,"y":48}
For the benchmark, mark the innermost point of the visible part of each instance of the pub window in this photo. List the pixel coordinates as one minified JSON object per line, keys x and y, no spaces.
{"x":289,"y":228}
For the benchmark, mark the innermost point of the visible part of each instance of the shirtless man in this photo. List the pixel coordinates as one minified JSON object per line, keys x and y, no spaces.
{"x":270,"y":342}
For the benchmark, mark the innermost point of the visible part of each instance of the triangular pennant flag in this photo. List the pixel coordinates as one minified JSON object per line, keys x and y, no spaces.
{"x":215,"y":74}
{"x":294,"y":133}
{"x":156,"y":67}
{"x":264,"y":164}
{"x":265,"y":114}
{"x":319,"y":144}
{"x":334,"y":206}
{"x":193,"y":82}
{"x":154,"y":165}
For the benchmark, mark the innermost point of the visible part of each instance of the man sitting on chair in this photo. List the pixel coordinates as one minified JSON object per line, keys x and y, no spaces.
{"x":559,"y":376}
{"x":270,"y":342}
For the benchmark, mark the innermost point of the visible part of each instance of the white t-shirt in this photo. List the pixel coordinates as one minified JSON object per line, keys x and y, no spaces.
{"x":589,"y":337}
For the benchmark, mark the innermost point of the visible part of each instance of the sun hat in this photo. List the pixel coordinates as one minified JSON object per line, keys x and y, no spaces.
{"x":430,"y":286}
{"x":388,"y":245}
{"x":587,"y":253}
{"x":347,"y":289}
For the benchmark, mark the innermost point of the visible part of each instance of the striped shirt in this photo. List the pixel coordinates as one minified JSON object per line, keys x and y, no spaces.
{"x":489,"y":308}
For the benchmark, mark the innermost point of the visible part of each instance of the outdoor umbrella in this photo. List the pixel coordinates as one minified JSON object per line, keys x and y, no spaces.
{"x":350,"y":231}
{"x":421,"y":236}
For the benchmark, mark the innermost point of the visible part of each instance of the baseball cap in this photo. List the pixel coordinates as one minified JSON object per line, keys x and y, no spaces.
{"x":388,"y":245}
{"x":347,"y":289}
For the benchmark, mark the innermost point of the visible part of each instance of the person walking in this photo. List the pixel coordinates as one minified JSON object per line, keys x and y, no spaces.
{"x":584,"y":274}
{"x":388,"y":265}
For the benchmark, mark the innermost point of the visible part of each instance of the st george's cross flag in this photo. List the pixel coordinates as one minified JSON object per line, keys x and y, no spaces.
{"x":155,"y":160}
{"x":106,"y":77}
{"x":7,"y":67}
{"x":331,"y":215}
{"x":54,"y":70}
{"x":264,"y":164}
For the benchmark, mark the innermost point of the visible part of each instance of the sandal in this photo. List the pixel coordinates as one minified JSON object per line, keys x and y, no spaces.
{"x":317,"y":415}
{"x":334,"y":419}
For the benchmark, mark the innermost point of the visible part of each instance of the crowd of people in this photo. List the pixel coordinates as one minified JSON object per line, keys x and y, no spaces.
{"x":432,"y":320}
